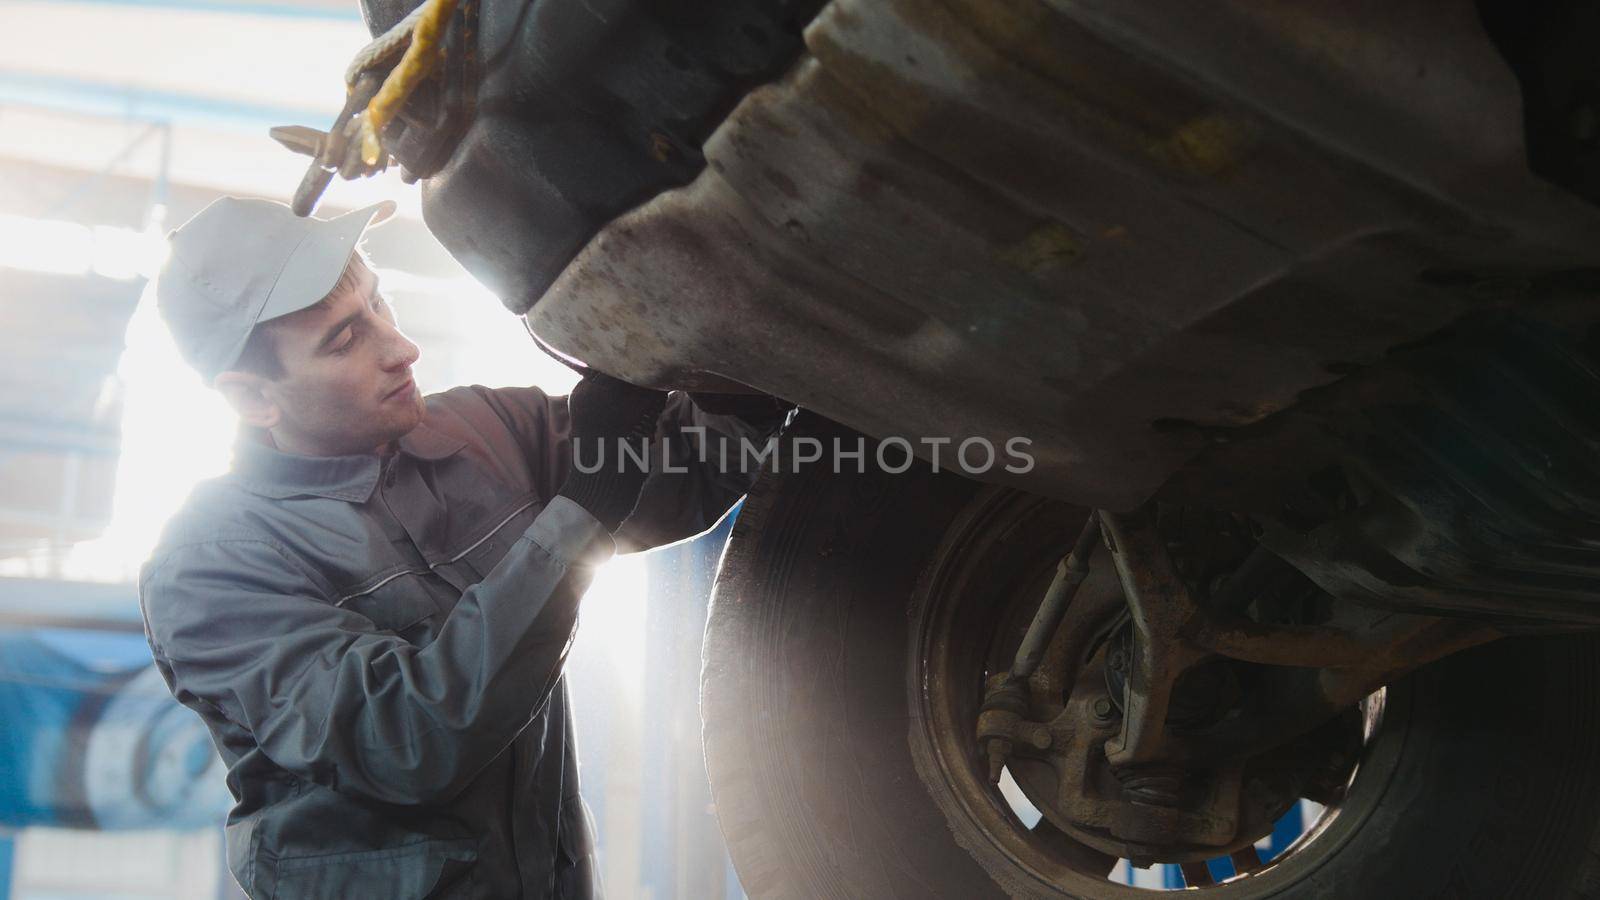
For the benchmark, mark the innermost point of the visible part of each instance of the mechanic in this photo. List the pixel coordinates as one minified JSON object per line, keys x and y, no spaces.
{"x":371,"y":608}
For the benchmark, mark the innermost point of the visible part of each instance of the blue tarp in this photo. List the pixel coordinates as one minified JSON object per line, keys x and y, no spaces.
{"x":90,"y":738}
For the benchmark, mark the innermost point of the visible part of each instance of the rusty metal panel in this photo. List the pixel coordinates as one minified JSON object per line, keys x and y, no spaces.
{"x":1103,"y":227}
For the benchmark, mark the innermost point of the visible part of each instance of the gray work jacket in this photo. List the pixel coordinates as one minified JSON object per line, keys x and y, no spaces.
{"x":376,"y":644}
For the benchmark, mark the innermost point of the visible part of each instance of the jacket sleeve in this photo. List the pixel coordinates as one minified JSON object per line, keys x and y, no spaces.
{"x":711,"y":462}
{"x":240,"y":629}
{"x":542,"y":428}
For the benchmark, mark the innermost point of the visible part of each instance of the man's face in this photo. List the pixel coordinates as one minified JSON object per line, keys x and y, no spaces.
{"x":347,"y":386}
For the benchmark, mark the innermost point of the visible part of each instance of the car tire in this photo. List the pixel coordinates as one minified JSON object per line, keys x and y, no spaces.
{"x":1482,"y":782}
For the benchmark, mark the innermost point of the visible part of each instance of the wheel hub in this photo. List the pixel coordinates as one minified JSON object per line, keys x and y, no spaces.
{"x":1148,"y":728}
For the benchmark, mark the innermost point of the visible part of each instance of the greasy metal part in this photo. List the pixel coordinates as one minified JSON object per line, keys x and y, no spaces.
{"x":586,"y":111}
{"x":1299,"y":704}
{"x":1340,"y":686}
{"x":1153,"y":813}
{"x":1074,"y":568}
{"x":1173,"y":634}
{"x":332,"y":151}
{"x":1093,"y":615}
{"x":1471,"y":487}
{"x":1162,"y":609}
{"x":1054,"y":220}
{"x":1060,"y":243}
{"x":1143,"y":801}
{"x":1001,"y":719}
{"x":983,"y":591}
{"x":1045,"y":221}
{"x":1163,"y":783}
{"x":1152,"y":785}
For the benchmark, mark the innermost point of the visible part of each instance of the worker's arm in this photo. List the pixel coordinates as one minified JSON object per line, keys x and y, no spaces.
{"x":242,"y":628}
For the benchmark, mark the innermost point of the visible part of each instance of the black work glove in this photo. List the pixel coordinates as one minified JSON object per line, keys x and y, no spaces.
{"x":760,"y":411}
{"x":606,"y":412}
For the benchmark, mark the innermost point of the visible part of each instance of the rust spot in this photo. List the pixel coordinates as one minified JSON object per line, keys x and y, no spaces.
{"x":660,"y":146}
{"x":1209,"y":145}
{"x":782,"y":182}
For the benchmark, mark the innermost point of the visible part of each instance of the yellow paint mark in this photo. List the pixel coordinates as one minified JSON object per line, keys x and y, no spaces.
{"x":1209,"y":145}
{"x":419,"y":60}
{"x":1049,"y":244}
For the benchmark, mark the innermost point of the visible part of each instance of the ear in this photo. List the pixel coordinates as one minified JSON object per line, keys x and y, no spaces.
{"x":247,"y":393}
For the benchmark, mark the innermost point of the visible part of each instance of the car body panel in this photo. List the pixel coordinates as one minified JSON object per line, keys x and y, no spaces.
{"x":1109,"y":228}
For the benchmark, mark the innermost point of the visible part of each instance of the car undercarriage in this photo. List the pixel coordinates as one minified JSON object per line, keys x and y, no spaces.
{"x":1295,"y":307}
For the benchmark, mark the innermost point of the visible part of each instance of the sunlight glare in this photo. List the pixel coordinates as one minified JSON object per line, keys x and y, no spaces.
{"x":175,"y":432}
{"x":611,"y":625}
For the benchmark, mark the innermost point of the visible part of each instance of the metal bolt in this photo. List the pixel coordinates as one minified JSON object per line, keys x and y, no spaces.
{"x":1102,"y":708}
{"x":1118,"y":660}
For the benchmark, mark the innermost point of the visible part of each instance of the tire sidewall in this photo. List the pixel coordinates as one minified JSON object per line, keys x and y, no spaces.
{"x":825,"y":787}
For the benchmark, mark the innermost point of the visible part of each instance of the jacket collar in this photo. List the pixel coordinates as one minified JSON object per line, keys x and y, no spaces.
{"x":270,"y":472}
{"x":427,"y":442}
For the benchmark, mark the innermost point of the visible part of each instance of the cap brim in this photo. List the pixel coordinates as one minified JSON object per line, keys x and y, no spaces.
{"x":316,"y":264}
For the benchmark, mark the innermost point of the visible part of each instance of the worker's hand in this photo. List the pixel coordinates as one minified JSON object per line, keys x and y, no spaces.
{"x":607,"y":408}
{"x":605,"y":413}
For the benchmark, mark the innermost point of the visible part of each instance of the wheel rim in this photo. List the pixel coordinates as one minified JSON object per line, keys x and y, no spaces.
{"x":1008,"y":543}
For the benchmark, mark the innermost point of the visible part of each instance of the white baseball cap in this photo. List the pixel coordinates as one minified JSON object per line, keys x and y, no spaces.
{"x":239,"y":262}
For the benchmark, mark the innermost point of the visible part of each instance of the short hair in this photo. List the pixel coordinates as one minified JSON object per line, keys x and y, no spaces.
{"x":260,"y":354}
